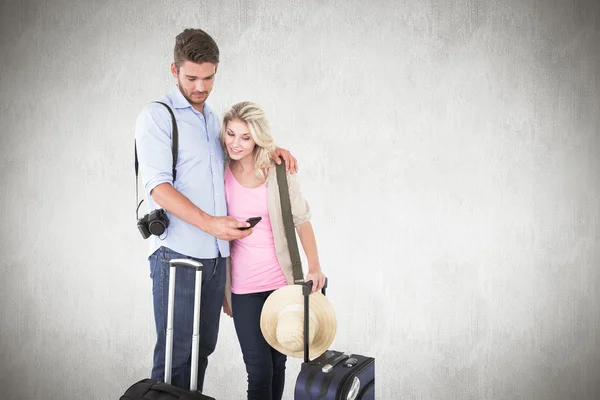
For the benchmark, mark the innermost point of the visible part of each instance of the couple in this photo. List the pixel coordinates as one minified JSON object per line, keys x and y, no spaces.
{"x":225,"y":174}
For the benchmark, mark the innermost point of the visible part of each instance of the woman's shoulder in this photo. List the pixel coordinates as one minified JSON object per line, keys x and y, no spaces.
{"x":271,"y":169}
{"x":291,"y":178}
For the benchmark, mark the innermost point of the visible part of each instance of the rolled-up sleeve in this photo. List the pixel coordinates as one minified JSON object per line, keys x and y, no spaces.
{"x":153,"y":141}
{"x":300,"y":209}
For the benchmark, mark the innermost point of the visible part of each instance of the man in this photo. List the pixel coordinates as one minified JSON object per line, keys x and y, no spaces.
{"x":195,"y":203}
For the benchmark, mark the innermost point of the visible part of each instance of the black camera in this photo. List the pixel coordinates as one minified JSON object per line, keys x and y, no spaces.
{"x":154,"y":223}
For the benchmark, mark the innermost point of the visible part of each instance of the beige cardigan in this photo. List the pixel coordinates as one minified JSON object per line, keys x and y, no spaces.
{"x":300,"y":213}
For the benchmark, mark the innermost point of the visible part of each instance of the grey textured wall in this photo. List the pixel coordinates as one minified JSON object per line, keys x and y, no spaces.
{"x":449,"y":150}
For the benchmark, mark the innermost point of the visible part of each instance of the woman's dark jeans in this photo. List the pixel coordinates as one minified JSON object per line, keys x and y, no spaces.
{"x":265,"y":365}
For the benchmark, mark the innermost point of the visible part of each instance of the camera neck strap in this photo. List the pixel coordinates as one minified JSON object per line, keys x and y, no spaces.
{"x":174,"y":148}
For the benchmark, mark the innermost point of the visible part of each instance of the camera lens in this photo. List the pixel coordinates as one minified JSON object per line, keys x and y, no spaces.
{"x":156,"y":227}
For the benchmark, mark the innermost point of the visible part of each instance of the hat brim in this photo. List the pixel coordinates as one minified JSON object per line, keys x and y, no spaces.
{"x":319,"y":306}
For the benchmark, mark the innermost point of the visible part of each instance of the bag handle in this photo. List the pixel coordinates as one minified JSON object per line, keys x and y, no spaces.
{"x":306,"y":290}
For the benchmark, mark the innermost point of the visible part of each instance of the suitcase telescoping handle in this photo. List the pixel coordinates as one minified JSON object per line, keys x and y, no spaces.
{"x":183,"y":262}
{"x":306,"y":291}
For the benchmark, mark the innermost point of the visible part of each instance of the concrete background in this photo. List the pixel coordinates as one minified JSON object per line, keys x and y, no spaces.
{"x":449,"y":150}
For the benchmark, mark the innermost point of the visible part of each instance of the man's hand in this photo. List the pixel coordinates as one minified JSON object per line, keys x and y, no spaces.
{"x":226,"y":228}
{"x":317,"y":277}
{"x":173,"y":201}
{"x":226,"y":308}
{"x":291,"y":164}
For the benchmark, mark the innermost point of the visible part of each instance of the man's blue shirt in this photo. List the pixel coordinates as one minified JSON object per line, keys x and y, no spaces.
{"x":199,"y":170}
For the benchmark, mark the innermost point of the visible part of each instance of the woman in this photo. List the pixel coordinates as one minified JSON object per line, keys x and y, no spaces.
{"x":260,"y":263}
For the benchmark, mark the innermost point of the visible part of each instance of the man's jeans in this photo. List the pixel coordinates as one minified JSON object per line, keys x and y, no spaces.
{"x":265,"y":365}
{"x":213,"y":291}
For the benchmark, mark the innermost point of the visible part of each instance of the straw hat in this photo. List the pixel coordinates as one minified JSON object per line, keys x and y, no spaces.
{"x":282,"y":322}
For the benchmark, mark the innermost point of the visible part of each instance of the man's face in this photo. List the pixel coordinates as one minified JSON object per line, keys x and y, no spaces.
{"x":195,"y":81}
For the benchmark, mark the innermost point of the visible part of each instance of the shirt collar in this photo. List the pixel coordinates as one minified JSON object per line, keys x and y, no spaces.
{"x":179,"y":101}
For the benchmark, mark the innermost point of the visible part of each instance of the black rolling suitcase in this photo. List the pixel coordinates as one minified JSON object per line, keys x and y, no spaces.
{"x":150,"y":389}
{"x":333,"y":375}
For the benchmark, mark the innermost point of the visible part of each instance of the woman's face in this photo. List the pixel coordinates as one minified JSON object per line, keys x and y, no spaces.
{"x":238,"y":140}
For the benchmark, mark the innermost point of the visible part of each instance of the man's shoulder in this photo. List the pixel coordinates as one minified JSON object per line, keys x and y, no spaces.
{"x":154,"y":114}
{"x":155,"y":106}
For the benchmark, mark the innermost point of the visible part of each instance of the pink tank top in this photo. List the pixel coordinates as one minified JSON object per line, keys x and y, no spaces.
{"x":254,"y":265}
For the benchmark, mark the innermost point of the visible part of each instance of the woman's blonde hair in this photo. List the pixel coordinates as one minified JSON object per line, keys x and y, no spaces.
{"x":254,"y":117}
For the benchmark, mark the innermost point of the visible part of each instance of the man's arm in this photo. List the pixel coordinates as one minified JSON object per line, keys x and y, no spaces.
{"x":153,"y":141}
{"x":174,"y":202}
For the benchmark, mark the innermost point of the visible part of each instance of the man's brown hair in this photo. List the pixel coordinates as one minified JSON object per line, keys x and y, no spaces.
{"x":196,"y":46}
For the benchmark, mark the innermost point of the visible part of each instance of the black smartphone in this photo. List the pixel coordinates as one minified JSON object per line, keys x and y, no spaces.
{"x":252,"y":221}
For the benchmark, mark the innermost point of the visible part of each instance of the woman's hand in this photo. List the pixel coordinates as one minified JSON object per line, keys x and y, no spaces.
{"x":317,"y":277}
{"x":226,"y":308}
